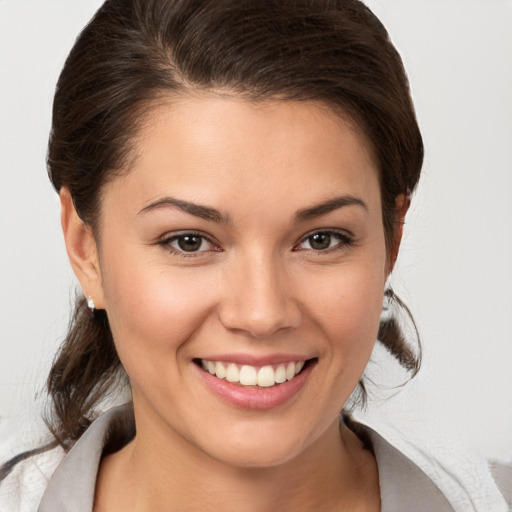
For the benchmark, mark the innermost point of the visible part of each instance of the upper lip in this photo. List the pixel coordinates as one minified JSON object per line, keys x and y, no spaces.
{"x":256,"y":360}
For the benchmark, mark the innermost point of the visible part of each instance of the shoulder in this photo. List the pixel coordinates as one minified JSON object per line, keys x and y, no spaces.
{"x":26,"y":461}
{"x":50,"y":478}
{"x":434,"y":469}
{"x":23,"y":487}
{"x":39,"y":476}
{"x":502,"y":474}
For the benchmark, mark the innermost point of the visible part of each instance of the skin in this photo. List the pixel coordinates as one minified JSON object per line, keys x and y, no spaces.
{"x":258,"y":287}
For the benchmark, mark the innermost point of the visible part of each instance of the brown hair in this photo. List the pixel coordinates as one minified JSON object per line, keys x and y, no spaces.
{"x":132,"y":51}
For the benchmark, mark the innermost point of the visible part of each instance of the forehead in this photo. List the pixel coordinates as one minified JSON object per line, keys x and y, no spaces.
{"x":208,"y":147}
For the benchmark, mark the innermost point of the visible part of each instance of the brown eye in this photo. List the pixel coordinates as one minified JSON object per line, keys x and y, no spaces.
{"x":320,"y":241}
{"x":324,"y":240}
{"x":190,"y":243}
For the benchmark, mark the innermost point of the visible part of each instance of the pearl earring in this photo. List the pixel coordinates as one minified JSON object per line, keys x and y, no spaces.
{"x":90,"y":304}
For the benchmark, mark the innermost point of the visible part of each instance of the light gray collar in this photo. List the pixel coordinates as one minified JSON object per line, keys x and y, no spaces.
{"x":403,"y":485}
{"x":71,"y":488}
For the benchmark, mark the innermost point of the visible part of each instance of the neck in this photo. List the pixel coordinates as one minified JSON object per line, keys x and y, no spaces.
{"x":150,"y":473}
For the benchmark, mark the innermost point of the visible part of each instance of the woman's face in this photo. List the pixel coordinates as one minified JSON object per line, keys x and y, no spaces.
{"x":247,"y":240}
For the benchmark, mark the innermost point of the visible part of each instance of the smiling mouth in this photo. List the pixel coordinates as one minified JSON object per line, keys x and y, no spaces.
{"x":252,"y":376}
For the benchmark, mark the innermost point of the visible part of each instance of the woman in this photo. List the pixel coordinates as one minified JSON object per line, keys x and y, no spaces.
{"x":234,"y":177}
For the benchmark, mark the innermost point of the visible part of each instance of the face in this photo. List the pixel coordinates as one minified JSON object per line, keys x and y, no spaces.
{"x":242,"y":264}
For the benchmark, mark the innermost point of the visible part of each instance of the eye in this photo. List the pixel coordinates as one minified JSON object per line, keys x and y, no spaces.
{"x":324,"y":240}
{"x":188,"y":243}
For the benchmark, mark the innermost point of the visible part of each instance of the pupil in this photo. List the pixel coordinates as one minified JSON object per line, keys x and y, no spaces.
{"x":189,"y":243}
{"x":320,"y":241}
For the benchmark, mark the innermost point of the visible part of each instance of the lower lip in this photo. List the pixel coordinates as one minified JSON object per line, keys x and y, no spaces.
{"x":253,"y":397}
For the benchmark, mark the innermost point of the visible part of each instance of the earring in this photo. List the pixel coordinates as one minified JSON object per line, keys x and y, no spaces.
{"x":90,"y":304}
{"x":387,"y":304}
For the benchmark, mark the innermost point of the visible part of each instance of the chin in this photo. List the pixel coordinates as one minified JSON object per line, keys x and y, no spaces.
{"x":262,"y":446}
{"x":256,"y":456}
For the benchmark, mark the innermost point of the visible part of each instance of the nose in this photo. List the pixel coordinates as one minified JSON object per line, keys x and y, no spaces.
{"x":258,"y":299}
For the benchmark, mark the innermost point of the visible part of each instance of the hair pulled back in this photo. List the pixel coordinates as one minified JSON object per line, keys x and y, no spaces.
{"x":134,"y":51}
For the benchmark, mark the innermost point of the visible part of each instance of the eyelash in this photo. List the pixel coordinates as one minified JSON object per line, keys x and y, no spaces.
{"x":167,"y":243}
{"x":344,"y":240}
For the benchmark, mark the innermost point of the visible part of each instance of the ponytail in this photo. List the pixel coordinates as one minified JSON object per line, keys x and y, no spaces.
{"x":392,"y":336}
{"x":84,"y":372}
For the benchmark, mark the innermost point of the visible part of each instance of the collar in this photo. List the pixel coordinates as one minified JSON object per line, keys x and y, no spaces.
{"x":403,"y":485}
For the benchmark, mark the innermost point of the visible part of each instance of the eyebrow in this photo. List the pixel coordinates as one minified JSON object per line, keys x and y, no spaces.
{"x":204,"y":212}
{"x":211,"y":214}
{"x":329,"y":206}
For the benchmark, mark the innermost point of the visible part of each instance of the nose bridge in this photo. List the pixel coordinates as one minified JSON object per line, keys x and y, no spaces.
{"x":259,"y":299}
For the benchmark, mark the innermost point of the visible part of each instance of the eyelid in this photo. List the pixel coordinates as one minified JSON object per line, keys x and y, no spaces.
{"x":345,"y":238}
{"x":166,"y":240}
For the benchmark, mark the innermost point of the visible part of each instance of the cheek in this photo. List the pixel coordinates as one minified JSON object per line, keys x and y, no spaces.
{"x":348,"y":308}
{"x":153,"y":310}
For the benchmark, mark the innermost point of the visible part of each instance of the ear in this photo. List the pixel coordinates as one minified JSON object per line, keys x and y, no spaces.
{"x":82,"y":249}
{"x":402,"y":203}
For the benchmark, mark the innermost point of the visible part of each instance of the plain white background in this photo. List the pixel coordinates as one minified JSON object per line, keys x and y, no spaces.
{"x":454,"y":269}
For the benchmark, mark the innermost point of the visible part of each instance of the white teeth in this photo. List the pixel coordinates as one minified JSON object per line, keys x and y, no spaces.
{"x":211,"y":367}
{"x":220,"y":370}
{"x":290,"y":371}
{"x":280,"y":374}
{"x":248,"y":375}
{"x":266,"y":377}
{"x":233,"y":373}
